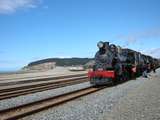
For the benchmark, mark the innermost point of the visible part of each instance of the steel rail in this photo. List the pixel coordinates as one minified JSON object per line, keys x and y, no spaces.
{"x":31,"y":108}
{"x":14,"y":92}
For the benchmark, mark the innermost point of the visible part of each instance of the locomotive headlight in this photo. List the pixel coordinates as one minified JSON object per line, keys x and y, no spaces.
{"x":100,"y":44}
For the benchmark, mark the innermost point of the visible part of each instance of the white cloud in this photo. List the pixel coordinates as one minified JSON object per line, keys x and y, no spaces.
{"x":63,"y":56}
{"x":155,"y":52}
{"x":10,"y":6}
{"x":135,"y":38}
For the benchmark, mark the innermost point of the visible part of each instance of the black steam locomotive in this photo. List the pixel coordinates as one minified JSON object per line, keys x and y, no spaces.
{"x":113,"y":64}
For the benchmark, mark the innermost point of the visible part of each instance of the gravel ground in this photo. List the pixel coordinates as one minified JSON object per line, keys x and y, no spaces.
{"x":133,"y":100}
{"x":141,"y":104}
{"x":8,"y":103}
{"x":58,"y":71}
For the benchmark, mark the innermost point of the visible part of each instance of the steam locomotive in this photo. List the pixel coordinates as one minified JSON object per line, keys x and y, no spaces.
{"x":114,"y":64}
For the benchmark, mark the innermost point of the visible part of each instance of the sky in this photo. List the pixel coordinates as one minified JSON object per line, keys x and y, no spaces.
{"x":37,"y":29}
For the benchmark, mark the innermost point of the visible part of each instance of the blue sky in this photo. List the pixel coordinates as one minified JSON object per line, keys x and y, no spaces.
{"x":36,"y":29}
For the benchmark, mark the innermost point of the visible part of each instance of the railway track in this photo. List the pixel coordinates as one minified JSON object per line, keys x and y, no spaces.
{"x":35,"y":79}
{"x":14,"y":91}
{"x":31,"y":108}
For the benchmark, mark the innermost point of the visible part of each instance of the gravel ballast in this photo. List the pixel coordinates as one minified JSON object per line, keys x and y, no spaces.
{"x":141,"y":104}
{"x":132,"y":100}
{"x":8,"y":103}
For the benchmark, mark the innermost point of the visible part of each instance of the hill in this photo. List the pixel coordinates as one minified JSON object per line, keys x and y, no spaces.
{"x":62,"y":61}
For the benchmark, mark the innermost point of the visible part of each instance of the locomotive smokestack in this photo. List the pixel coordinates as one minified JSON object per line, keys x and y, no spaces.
{"x":106,"y":45}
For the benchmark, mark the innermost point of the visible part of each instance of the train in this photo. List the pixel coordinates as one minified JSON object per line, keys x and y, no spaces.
{"x":114,"y":64}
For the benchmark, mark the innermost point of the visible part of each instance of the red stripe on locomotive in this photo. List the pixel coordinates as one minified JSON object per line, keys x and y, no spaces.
{"x":104,"y":74}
